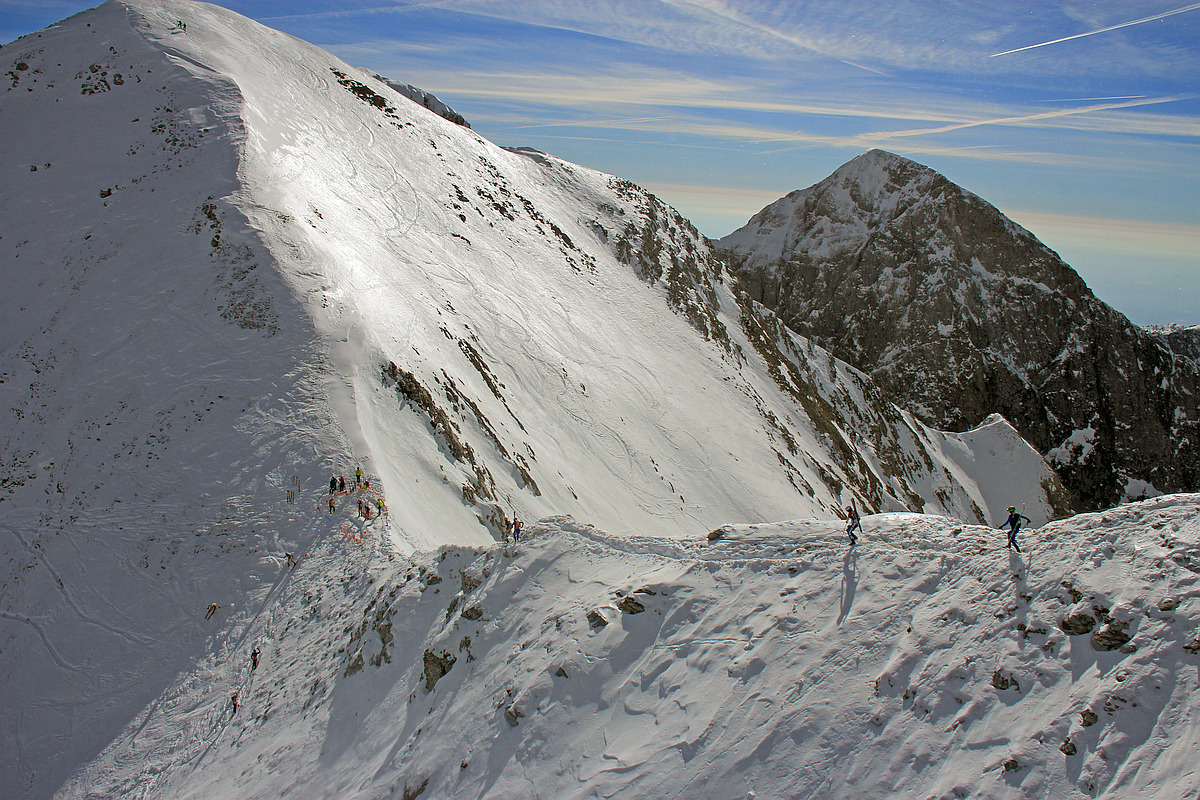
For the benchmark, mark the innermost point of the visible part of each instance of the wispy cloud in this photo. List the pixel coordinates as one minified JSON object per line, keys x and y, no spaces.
{"x":740,"y":202}
{"x":985,"y":153}
{"x":637,"y":89}
{"x":620,"y":122}
{"x":780,"y":33}
{"x":592,"y":99}
{"x":707,"y":134}
{"x":1122,"y":235}
{"x":1094,"y":99}
{"x":1163,"y":15}
{"x":343,"y":13}
{"x":729,"y":15}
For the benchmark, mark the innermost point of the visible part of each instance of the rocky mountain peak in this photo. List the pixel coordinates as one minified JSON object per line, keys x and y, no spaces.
{"x":426,"y":99}
{"x":881,"y":170}
{"x":958,"y":312}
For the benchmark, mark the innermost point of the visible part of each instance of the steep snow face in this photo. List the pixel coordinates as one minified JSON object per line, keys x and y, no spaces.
{"x":235,"y":265}
{"x":160,"y":388}
{"x":513,"y":306}
{"x":771,"y":661}
{"x":959,"y":313}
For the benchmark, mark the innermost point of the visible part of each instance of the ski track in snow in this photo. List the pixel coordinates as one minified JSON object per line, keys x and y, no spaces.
{"x":134,"y":639}
{"x":59,"y":660}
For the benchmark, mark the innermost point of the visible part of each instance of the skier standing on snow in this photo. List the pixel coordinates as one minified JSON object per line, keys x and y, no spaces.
{"x":853,"y":523}
{"x":254,"y":658}
{"x":341,"y":483}
{"x":332,"y":485}
{"x":516,"y":528}
{"x":1013,"y":523}
{"x":357,"y":477}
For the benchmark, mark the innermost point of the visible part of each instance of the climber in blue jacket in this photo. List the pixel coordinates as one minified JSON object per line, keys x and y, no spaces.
{"x":1013,"y":523}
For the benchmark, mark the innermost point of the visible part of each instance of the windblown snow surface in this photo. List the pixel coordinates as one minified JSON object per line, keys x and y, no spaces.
{"x":771,"y":662}
{"x":234,"y":264}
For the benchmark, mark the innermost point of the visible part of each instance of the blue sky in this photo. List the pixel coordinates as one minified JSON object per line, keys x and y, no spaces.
{"x":1081,"y":121}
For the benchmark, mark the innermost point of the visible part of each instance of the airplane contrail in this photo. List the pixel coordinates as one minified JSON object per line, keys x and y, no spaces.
{"x":1097,"y":99}
{"x":1191,"y":7}
{"x":1025,"y":119}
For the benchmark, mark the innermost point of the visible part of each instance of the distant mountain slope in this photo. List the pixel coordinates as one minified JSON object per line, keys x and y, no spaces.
{"x":234,"y":265}
{"x":958,"y":313}
{"x":1182,"y":339}
{"x":770,"y":663}
{"x":424,"y":98}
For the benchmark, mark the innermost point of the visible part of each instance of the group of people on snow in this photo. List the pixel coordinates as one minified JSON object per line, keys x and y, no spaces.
{"x":337,"y":483}
{"x":364,"y":508}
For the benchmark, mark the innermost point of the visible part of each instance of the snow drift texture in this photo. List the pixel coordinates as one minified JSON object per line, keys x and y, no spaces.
{"x":234,"y":265}
{"x":769,"y":663}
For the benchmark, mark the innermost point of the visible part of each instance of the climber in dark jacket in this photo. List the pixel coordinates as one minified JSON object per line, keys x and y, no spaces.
{"x":853,"y":523}
{"x":1013,"y":523}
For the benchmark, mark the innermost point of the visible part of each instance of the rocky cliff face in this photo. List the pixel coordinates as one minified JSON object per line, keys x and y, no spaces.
{"x":958,"y":312}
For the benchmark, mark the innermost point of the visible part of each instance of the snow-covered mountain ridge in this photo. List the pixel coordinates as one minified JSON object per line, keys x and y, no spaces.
{"x":256,"y":265}
{"x":959,"y":313}
{"x":768,"y":662}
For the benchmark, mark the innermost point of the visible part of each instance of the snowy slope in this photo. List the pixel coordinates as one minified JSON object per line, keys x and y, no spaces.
{"x":158,"y":392}
{"x":771,"y":662}
{"x":232,"y":262}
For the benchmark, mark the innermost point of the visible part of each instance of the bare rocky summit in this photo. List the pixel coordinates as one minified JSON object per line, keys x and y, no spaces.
{"x":958,"y":312}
